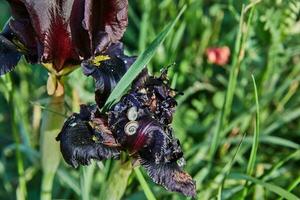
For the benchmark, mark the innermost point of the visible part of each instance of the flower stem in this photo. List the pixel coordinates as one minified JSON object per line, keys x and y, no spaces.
{"x":117,"y":181}
{"x":53,"y":120}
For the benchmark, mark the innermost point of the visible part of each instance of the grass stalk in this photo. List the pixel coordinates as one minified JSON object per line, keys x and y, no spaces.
{"x":252,"y":159}
{"x":21,"y":192}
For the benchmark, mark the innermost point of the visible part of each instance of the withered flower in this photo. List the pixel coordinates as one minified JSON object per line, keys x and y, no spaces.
{"x":60,"y":33}
{"x":140,"y":123}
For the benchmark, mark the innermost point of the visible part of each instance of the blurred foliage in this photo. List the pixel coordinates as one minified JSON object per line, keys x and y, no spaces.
{"x":271,"y":52}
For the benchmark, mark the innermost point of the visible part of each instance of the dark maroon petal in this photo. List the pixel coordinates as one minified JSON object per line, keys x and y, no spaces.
{"x":58,"y":47}
{"x":50,"y":21}
{"x":9,"y":56}
{"x":171,"y":176}
{"x":150,"y":135}
{"x":103,"y":22}
{"x":78,"y":144}
{"x":80,"y":36}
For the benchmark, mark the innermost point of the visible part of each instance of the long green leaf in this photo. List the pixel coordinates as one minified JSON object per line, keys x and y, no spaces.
{"x":252,"y":159}
{"x":140,"y":63}
{"x":228,"y":168}
{"x":271,"y":187}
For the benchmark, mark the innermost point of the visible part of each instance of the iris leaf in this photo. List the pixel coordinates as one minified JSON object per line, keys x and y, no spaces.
{"x":140,"y":63}
{"x":271,"y":187}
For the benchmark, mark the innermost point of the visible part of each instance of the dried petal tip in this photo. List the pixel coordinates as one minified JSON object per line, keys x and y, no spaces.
{"x":171,"y":176}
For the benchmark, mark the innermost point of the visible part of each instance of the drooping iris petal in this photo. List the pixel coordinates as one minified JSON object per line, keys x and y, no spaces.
{"x":171,"y":176}
{"x":21,"y":26}
{"x":108,"y":72}
{"x":79,"y":144}
{"x":9,"y":56}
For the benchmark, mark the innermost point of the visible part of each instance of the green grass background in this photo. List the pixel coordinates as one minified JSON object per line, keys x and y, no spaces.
{"x":240,"y":133}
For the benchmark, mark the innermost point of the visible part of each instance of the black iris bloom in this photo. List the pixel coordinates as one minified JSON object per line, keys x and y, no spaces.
{"x":140,"y":123}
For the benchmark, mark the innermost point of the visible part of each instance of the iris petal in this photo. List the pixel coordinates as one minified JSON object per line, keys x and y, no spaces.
{"x":9,"y":56}
{"x":20,"y":24}
{"x":101,"y":23}
{"x":171,"y":176}
{"x":79,"y":144}
{"x":108,"y":74}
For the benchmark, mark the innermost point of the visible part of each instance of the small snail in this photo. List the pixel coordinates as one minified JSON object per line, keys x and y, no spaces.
{"x":132,"y":113}
{"x":131,"y":127}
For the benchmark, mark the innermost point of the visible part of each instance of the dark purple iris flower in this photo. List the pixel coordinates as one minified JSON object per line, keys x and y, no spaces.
{"x":140,"y":123}
{"x":60,"y":33}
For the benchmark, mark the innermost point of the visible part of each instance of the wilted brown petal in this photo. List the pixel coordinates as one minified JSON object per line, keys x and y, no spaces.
{"x":171,"y":176}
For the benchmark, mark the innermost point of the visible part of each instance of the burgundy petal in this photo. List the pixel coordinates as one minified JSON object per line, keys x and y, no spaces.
{"x":80,"y":36}
{"x":104,"y":22}
{"x":50,"y":22}
{"x":58,"y":47}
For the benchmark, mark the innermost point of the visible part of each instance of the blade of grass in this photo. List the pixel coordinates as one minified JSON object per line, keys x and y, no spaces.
{"x":229,"y":93}
{"x":285,"y":118}
{"x":292,"y":185}
{"x":145,"y":186}
{"x":266,"y":139}
{"x":252,"y":159}
{"x":141,"y":62}
{"x":271,"y":187}
{"x":293,"y":155}
{"x":239,"y":52}
{"x":228,"y":168}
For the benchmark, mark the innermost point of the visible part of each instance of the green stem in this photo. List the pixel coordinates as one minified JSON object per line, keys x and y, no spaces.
{"x":50,"y":153}
{"x":144,"y":184}
{"x":86,"y":180}
{"x":117,"y":181}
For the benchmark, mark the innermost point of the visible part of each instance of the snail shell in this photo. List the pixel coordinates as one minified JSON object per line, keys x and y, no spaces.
{"x":132,"y":113}
{"x":131,"y":127}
